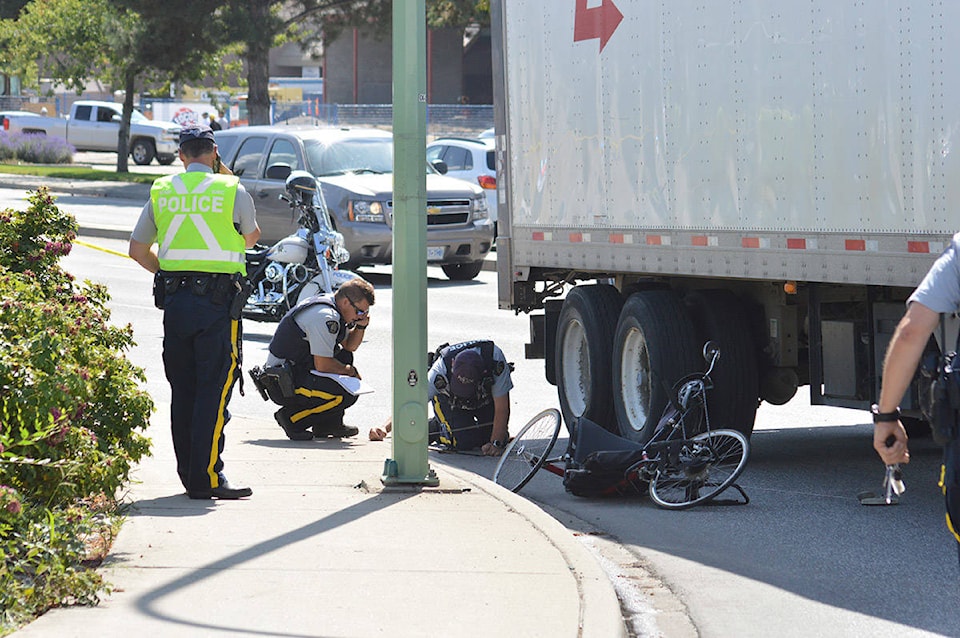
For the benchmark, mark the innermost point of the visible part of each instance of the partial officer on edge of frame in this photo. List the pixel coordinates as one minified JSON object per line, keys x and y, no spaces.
{"x":939,"y":292}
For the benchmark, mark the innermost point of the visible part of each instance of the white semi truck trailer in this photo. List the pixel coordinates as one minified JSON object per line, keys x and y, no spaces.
{"x":774,"y":175}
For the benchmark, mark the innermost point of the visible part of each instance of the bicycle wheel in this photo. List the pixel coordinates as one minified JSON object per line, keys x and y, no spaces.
{"x":707,"y":464}
{"x":526,"y":453}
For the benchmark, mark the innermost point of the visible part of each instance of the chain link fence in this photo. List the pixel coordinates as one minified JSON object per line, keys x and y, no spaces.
{"x":464,"y":120}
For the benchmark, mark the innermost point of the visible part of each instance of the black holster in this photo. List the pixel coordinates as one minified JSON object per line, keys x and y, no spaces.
{"x":274,"y":383}
{"x":243,"y":289}
{"x":159,"y":291}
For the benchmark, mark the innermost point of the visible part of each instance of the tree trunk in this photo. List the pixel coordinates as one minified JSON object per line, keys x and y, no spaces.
{"x":258,"y":67}
{"x":123,"y":139}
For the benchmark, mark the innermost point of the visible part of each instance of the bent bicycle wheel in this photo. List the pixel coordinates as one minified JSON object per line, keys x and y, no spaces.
{"x":706,"y":465}
{"x":528,"y":451}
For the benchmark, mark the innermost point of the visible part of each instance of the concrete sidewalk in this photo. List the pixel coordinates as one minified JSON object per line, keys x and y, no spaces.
{"x":323,"y":549}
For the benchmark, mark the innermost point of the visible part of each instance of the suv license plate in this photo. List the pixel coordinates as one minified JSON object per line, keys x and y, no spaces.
{"x":434,"y":253}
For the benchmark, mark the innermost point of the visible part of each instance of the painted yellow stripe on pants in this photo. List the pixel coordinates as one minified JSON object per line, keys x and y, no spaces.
{"x":943,"y":487}
{"x":332,"y":401}
{"x":218,"y":429}
{"x":446,"y":435}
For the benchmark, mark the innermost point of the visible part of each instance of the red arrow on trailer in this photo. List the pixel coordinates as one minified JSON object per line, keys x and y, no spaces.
{"x":597,"y":22}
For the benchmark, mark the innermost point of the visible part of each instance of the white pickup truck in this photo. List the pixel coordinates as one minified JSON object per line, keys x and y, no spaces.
{"x":95,"y":126}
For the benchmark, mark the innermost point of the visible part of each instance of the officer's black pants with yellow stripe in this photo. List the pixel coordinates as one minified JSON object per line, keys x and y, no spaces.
{"x":318,"y":402}
{"x":950,"y":483}
{"x":201,"y":356}
{"x":458,"y":428}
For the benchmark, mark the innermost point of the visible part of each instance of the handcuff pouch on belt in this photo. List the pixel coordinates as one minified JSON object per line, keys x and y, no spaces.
{"x":275,"y":383}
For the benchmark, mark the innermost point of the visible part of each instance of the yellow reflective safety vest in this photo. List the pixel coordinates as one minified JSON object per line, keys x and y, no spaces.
{"x":194,"y":216}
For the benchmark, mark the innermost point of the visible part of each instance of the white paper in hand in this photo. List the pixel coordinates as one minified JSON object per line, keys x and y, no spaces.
{"x":352,"y":385}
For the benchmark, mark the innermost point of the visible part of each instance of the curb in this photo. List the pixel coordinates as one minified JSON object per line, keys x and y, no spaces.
{"x":600,"y":612}
{"x":120,"y":190}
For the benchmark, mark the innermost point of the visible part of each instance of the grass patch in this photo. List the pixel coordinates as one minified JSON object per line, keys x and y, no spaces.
{"x":69,"y":171}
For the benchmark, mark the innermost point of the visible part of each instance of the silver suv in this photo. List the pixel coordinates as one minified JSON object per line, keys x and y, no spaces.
{"x":355,"y":170}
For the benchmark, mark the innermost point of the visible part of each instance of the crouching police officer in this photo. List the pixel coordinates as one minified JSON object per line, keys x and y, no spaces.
{"x":202,"y":222}
{"x":318,"y":335}
{"x":469,"y":386}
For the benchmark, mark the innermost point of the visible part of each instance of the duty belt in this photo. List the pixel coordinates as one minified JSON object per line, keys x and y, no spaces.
{"x":200,"y":284}
{"x":221,"y":285}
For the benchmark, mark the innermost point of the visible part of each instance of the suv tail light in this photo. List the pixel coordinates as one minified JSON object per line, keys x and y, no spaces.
{"x":487,"y":182}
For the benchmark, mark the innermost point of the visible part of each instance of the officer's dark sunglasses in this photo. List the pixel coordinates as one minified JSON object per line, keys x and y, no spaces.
{"x":360,"y":313}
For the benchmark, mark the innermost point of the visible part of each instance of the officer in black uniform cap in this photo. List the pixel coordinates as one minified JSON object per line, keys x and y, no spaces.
{"x":202,"y":223}
{"x":469,"y":387}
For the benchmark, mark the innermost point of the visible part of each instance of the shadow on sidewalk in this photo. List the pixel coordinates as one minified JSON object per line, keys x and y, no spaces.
{"x":147,"y":604}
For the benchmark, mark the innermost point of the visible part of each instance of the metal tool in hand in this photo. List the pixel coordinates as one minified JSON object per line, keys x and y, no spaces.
{"x":893,"y":485}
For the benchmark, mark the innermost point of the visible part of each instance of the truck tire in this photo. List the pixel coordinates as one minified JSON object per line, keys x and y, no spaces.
{"x":143,"y":151}
{"x":166,"y":160}
{"x":719,"y":316}
{"x":584,"y":345}
{"x":654,"y":346}
{"x":462,"y":272}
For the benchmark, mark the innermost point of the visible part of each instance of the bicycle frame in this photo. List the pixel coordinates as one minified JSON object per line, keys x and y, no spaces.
{"x":685,"y":463}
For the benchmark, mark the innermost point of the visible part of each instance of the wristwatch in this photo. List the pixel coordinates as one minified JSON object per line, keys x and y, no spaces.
{"x":884,"y":417}
{"x":499,"y":444}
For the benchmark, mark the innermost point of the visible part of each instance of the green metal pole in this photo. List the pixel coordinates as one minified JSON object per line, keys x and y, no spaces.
{"x":409,"y":463}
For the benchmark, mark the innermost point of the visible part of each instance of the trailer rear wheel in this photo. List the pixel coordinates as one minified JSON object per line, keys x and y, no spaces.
{"x":654,"y":346}
{"x":719,"y":316}
{"x":585,"y":330}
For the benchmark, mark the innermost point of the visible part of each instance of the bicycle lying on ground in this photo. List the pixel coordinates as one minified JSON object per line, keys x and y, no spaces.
{"x":685,"y":463}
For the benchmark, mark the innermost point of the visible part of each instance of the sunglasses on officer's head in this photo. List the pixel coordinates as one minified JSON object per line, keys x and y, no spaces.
{"x":360,"y":313}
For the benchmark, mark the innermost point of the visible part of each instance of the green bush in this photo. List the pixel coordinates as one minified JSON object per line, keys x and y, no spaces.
{"x":71,"y":409}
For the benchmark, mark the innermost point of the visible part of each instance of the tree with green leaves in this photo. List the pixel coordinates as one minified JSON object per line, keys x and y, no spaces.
{"x":121,"y":43}
{"x":261,"y":25}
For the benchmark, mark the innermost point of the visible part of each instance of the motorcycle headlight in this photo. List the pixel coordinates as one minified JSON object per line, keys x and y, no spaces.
{"x":478,"y":207}
{"x":364,"y":211}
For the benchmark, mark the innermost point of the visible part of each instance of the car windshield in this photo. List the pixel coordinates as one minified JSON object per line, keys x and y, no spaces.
{"x":350,"y":156}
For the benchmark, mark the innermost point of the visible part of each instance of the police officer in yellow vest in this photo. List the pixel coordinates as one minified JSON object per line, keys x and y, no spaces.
{"x":202,"y":220}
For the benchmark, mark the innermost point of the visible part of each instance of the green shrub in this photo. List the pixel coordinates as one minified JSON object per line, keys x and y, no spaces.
{"x":71,"y":412}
